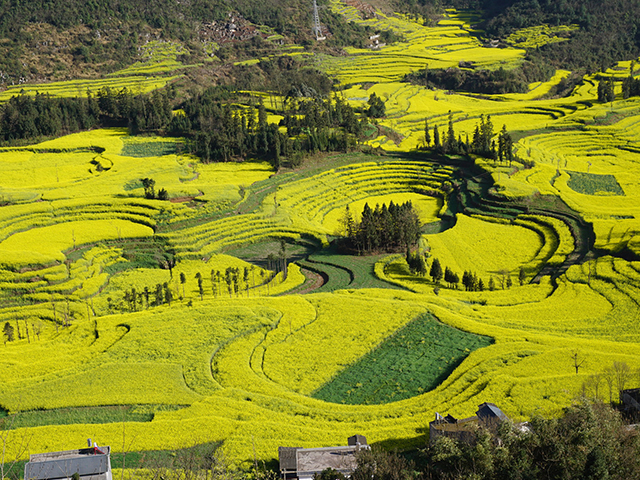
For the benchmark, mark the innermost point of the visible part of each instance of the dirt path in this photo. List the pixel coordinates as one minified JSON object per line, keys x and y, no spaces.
{"x":314,"y":281}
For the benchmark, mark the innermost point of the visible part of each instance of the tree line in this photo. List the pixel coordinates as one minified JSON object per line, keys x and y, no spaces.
{"x":221,"y":132}
{"x":231,"y":281}
{"x":498,"y":81}
{"x":482,"y":142}
{"x":25,"y":117}
{"x":418,"y":265}
{"x":382,"y":229}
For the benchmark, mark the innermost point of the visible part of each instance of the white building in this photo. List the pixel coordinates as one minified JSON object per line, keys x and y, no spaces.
{"x":304,"y":463}
{"x":93,"y":463}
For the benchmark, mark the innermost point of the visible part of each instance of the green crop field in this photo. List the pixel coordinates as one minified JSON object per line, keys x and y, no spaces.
{"x":227,"y":313}
{"x":401,"y":367}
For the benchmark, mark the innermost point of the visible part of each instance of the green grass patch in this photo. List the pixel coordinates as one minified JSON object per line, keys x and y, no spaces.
{"x":415,"y":360}
{"x":149,"y":149}
{"x":337,"y":277}
{"x":258,"y":253}
{"x":83,"y":415}
{"x":592,"y":184}
{"x":361,"y":268}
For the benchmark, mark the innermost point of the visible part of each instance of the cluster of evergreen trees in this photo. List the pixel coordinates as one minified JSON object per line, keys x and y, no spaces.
{"x":149,"y":185}
{"x":26,"y":117}
{"x":220,"y":132}
{"x":388,"y":229}
{"x":516,"y":80}
{"x":470,"y":281}
{"x":630,"y":87}
{"x":482,"y":143}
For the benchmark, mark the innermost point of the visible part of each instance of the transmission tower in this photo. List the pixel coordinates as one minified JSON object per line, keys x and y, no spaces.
{"x":316,"y":23}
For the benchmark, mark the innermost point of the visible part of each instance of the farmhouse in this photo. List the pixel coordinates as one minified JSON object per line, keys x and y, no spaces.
{"x":304,"y":463}
{"x":93,"y":463}
{"x":464,"y":430}
{"x":630,"y":398}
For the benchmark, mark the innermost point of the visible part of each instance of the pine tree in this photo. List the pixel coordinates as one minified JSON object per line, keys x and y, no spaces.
{"x":149,"y":187}
{"x":8,"y":332}
{"x":158,"y":295}
{"x":427,"y":134}
{"x":448,"y":276}
{"x":183,"y":280}
{"x":436,"y":137}
{"x":467,"y":280}
{"x":450,"y":143}
{"x":168,"y":295}
{"x":436,"y":270}
{"x":627,"y":85}
{"x":376,"y":108}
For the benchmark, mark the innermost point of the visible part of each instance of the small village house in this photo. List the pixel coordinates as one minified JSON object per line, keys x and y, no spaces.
{"x":464,"y":430}
{"x":304,"y":463}
{"x":92,"y":463}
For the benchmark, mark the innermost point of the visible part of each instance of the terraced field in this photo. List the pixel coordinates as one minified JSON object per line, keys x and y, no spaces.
{"x":184,"y":307}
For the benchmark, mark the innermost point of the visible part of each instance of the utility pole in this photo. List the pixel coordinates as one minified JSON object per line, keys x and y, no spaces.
{"x":316,"y":23}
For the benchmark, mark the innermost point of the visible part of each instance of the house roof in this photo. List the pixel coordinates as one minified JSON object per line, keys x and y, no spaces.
{"x":287,"y":458}
{"x":315,"y":460}
{"x":357,"y":439}
{"x":90,"y":463}
{"x":488,"y":412}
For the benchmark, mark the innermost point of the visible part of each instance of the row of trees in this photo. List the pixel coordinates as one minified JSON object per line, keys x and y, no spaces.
{"x":607,"y":384}
{"x":9,"y":333}
{"x":482,"y":143}
{"x":417,"y":263}
{"x":26,"y":117}
{"x":236,"y":280}
{"x":387,"y":229}
{"x":606,"y":88}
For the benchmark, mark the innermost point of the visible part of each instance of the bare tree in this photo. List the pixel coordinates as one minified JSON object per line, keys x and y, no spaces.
{"x":610,"y":378}
{"x":577,"y":361}
{"x":622,"y":375}
{"x":592,"y":383}
{"x":14,"y":445}
{"x":197,"y":462}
